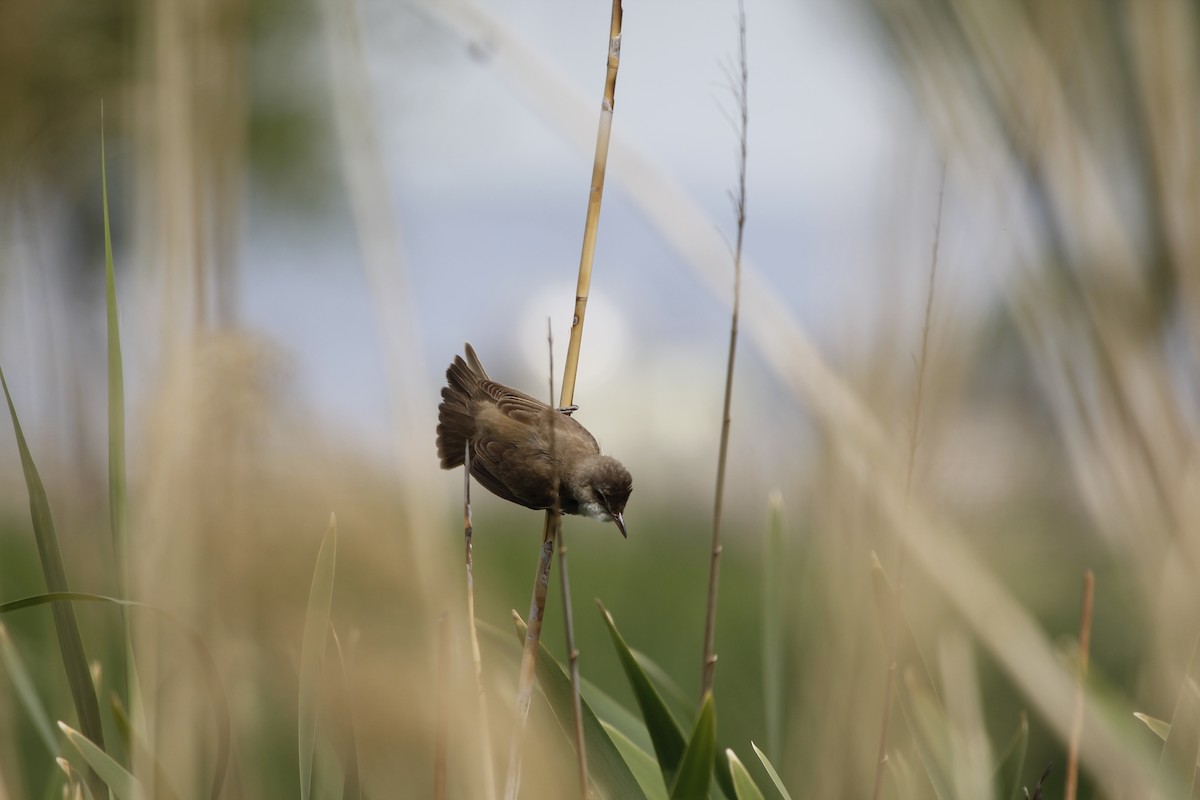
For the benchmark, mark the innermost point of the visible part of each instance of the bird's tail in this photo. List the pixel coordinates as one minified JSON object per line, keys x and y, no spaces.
{"x":456,"y":422}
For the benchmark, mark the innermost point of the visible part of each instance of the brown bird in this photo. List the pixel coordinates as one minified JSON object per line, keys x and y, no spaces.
{"x":514,"y":453}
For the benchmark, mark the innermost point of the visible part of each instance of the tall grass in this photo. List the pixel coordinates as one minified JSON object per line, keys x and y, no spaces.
{"x":1058,"y":434}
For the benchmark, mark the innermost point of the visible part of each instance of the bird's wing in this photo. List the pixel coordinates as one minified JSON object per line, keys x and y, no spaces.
{"x":512,"y":403}
{"x":488,"y":455}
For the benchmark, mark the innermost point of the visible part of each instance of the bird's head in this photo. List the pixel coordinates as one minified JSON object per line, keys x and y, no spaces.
{"x":601,"y":486}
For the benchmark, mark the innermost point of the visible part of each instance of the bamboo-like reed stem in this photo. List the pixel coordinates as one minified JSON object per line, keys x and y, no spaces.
{"x":485,"y":728}
{"x":709,"y":663}
{"x":914,"y":433}
{"x":1085,"y":644}
{"x":592,"y":221}
{"x":537,"y":606}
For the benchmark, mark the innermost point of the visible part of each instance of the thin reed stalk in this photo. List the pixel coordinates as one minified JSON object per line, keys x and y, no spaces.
{"x":572,"y":664}
{"x":537,"y":605}
{"x":914,"y":435}
{"x":485,"y":728}
{"x":740,"y":81}
{"x":441,"y":738}
{"x":568,"y":615}
{"x":533,"y":635}
{"x":1085,"y":644}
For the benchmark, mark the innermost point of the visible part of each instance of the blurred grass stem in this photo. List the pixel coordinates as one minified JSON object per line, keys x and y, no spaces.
{"x":1085,"y":643}
{"x":117,"y":492}
{"x":485,"y":728}
{"x":914,"y":433}
{"x":537,"y":606}
{"x":364,"y":169}
{"x":740,"y":81}
{"x":533,"y":635}
{"x":440,"y":746}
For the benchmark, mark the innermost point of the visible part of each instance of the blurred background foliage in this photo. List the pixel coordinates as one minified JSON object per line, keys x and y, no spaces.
{"x":1059,"y":420}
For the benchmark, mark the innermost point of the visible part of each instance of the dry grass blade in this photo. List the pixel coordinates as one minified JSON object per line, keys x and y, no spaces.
{"x":709,"y":663}
{"x":364,"y":169}
{"x":893,"y":640}
{"x":537,"y":606}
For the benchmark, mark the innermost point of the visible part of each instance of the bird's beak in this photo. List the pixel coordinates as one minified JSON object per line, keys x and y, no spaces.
{"x":617,"y":518}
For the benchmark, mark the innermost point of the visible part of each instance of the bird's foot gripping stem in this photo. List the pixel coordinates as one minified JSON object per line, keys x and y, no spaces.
{"x":569,"y":410}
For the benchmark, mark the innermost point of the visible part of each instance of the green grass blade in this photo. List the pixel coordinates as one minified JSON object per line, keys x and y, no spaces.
{"x":116,"y":395}
{"x":624,"y":730}
{"x":204,"y":658}
{"x":14,"y":665}
{"x":1161,"y":728}
{"x":682,"y":706}
{"x":606,"y":765}
{"x":75,"y":783}
{"x":161,"y":788}
{"x":770,"y":768}
{"x":773,"y":605}
{"x":1011,"y":764}
{"x":615,"y":715}
{"x":1177,"y":767}
{"x":351,"y":777}
{"x":695,"y":773}
{"x":123,"y":785}
{"x":117,"y":494}
{"x":926,"y":721}
{"x":312,"y":652}
{"x":744,"y":785}
{"x":70,"y":643}
{"x":665,"y":733}
{"x":643,"y":766}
